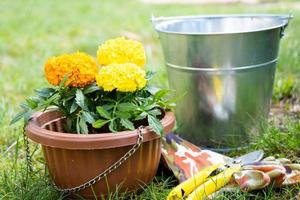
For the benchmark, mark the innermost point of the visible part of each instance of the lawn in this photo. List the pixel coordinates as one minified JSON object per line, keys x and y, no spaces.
{"x":31,"y":31}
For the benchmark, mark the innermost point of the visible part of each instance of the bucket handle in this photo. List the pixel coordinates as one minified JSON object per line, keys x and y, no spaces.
{"x":153,"y":19}
{"x":282,"y":29}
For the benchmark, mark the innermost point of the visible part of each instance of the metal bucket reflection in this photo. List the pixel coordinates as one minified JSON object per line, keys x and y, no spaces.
{"x":225,"y":66}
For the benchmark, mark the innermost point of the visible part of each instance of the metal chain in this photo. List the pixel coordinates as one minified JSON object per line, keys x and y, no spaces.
{"x":108,"y":170}
{"x":27,"y":151}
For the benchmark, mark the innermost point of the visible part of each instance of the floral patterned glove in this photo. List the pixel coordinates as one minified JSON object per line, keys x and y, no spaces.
{"x":185,"y":159}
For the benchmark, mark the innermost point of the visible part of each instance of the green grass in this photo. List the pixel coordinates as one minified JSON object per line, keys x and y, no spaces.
{"x":31,"y":31}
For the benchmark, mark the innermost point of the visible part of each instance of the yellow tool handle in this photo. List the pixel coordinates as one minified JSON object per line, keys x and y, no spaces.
{"x":186,"y":187}
{"x":214,"y":183}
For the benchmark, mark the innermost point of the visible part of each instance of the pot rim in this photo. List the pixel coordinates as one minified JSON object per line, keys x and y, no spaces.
{"x":90,"y":141}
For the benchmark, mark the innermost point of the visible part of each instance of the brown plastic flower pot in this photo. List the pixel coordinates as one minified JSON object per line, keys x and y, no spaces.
{"x":74,"y":159}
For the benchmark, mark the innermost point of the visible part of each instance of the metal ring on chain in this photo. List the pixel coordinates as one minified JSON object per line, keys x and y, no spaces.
{"x":114,"y":166}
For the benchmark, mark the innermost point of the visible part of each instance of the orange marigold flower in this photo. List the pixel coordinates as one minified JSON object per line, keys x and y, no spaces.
{"x":79,"y":67}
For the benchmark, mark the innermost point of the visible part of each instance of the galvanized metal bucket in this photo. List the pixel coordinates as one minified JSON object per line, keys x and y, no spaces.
{"x":223,"y":66}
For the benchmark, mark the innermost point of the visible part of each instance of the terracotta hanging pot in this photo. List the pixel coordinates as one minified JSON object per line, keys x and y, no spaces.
{"x":74,"y":159}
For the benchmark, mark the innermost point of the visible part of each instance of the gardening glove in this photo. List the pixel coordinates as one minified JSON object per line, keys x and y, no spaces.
{"x":186,"y":160}
{"x":270,"y":170}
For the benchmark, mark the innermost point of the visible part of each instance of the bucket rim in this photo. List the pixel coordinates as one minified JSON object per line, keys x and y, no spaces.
{"x":157,"y":21}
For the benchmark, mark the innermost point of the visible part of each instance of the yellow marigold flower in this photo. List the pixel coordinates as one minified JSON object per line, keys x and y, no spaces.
{"x":121,"y":50}
{"x":79,"y":67}
{"x":127,"y":77}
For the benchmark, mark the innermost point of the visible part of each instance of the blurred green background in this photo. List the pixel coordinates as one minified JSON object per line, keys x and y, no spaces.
{"x":31,"y":31}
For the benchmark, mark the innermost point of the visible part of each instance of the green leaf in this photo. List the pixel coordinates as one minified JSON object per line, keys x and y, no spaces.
{"x":154,"y":112}
{"x":127,"y":107}
{"x":74,"y":107}
{"x":121,"y":114}
{"x":69,"y":94}
{"x":44,"y":92}
{"x":17,"y":117}
{"x":100,"y":123}
{"x":51,"y":99}
{"x":149,"y":75}
{"x":112,"y":126}
{"x":161,"y":93}
{"x":65,"y":103}
{"x":31,"y":103}
{"x":24,"y":106}
{"x":152,"y":90}
{"x":83,"y":126}
{"x":151,"y":106}
{"x":175,"y":99}
{"x":90,"y":89}
{"x":27,"y":115}
{"x":155,"y":124}
{"x":168,"y":105}
{"x":80,"y":99}
{"x":127,"y":124}
{"x":108,"y":107}
{"x":108,"y":99}
{"x":103,"y":113}
{"x":141,"y":116}
{"x":88,"y":117}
